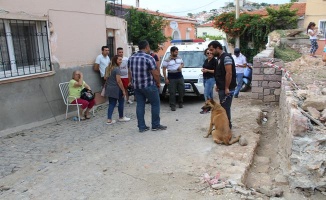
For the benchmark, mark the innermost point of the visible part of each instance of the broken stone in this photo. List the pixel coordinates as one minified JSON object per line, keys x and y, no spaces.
{"x":318,"y":102}
{"x":241,"y":191}
{"x":243,"y":141}
{"x":313,"y":112}
{"x":277,"y":192}
{"x":266,"y":190}
{"x":218,"y":186}
{"x":280,"y":179}
{"x":233,"y":183}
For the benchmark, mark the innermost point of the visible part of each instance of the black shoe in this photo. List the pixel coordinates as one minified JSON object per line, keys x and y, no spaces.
{"x":236,"y":96}
{"x":173,"y":108}
{"x":146,"y":129}
{"x":180,"y":105}
{"x":160,"y":127}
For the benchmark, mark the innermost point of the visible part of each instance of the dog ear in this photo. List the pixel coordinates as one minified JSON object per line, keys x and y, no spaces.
{"x":212,"y":101}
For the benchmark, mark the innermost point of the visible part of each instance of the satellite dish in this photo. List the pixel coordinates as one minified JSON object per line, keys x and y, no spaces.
{"x":174,"y":25}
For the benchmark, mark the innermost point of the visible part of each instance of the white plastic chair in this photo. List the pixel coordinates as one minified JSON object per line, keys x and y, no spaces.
{"x":64,"y":89}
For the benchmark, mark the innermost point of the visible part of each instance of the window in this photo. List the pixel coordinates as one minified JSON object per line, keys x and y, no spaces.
{"x":322,"y":28}
{"x":24,"y":48}
{"x":204,"y":33}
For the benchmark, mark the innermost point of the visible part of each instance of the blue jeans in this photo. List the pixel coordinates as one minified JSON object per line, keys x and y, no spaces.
{"x":112,"y":104}
{"x":152,"y":94}
{"x":227,"y":103}
{"x":239,"y":82}
{"x":209,"y":86}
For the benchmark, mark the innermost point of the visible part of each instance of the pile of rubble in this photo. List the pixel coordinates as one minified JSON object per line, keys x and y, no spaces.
{"x":228,"y":186}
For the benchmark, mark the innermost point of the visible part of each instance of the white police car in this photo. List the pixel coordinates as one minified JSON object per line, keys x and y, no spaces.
{"x":192,"y":54}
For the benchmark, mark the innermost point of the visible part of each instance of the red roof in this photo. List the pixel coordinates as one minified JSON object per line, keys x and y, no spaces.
{"x":160,"y":14}
{"x":301,"y":7}
{"x":208,"y":24}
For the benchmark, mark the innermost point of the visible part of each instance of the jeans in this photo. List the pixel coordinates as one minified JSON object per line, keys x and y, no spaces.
{"x":208,"y":88}
{"x":239,"y":82}
{"x":227,"y":103}
{"x":112,"y":104}
{"x":152,"y":94}
{"x":174,"y":86}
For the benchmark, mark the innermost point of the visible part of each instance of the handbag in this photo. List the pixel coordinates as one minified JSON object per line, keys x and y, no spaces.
{"x":130,"y":90}
{"x":87,"y":94}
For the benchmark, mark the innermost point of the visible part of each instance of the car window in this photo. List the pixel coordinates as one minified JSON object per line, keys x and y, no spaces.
{"x":191,"y":59}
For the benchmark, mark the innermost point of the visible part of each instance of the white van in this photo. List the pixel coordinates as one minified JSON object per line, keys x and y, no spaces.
{"x":192,"y":53}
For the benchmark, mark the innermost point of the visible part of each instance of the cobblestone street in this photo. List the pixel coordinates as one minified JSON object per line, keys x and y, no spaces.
{"x":92,"y":160}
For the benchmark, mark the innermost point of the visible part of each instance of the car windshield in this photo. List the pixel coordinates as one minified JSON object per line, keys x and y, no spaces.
{"x":191,"y":59}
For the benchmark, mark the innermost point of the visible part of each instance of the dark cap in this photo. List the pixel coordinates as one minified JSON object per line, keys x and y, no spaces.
{"x":236,"y":51}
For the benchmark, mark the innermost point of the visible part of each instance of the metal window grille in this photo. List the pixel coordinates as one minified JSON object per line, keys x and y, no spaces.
{"x":110,"y":44}
{"x":24,"y":48}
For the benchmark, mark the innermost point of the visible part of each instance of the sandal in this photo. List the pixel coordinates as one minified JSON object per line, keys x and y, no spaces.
{"x":87,"y":116}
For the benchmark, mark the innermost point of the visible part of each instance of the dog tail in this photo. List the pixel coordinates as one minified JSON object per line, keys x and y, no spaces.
{"x":234,"y":140}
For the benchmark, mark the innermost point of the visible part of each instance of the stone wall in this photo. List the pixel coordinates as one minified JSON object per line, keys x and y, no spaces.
{"x":266,"y":81}
{"x":302,"y":144}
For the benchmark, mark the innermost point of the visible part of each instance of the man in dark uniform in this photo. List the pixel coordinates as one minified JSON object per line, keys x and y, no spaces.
{"x":225,"y":76}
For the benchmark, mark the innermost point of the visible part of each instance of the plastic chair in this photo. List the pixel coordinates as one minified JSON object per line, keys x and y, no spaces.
{"x":64,"y":89}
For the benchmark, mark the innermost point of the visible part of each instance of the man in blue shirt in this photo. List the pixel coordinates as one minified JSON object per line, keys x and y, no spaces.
{"x":146,"y":80}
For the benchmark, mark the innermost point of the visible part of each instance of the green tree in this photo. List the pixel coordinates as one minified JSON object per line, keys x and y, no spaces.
{"x":282,"y":18}
{"x":292,"y":1}
{"x":190,"y":15}
{"x":143,"y":26}
{"x":253,"y":30}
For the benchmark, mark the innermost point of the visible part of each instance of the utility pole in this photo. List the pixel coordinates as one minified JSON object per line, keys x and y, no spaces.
{"x":237,"y":14}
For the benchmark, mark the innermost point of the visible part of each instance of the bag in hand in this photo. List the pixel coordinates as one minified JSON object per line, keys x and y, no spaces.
{"x":87,"y":94}
{"x":130,"y":91}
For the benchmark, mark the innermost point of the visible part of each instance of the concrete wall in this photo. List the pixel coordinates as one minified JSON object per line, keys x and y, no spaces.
{"x":315,"y":11}
{"x":77,"y":30}
{"x":266,"y":80}
{"x":210,"y":31}
{"x":38,"y":99}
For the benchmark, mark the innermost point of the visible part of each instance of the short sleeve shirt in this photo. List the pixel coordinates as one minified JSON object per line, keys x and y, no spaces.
{"x":241,"y":59}
{"x":74,"y":91}
{"x":124,"y":68}
{"x":311,"y":37}
{"x":103,"y":62}
{"x":141,"y":65}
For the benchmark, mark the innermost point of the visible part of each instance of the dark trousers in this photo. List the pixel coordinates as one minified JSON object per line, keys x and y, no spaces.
{"x":174,"y":86}
{"x":227,"y":101}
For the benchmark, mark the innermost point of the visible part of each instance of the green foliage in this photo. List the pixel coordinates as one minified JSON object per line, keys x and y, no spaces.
{"x":190,"y":15}
{"x":286,"y":54}
{"x":143,"y":26}
{"x":283,"y":18}
{"x":212,"y":37}
{"x":253,"y":30}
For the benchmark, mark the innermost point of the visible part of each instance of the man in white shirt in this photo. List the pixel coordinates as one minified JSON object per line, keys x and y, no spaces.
{"x":102,"y":61}
{"x":174,"y":78}
{"x":124,"y":72}
{"x":240,"y":65}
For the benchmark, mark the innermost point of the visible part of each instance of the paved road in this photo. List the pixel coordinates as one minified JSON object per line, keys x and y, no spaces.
{"x":91,"y":160}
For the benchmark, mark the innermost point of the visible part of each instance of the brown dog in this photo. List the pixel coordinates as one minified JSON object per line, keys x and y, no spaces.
{"x":222,"y":132}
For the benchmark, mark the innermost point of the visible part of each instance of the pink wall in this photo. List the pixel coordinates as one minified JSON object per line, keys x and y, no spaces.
{"x":182,"y":27}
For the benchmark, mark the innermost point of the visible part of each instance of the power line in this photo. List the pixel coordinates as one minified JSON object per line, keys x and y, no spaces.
{"x":193,"y":9}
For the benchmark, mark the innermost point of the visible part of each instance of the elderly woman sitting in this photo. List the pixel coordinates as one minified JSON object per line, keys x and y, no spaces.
{"x":76,"y":85}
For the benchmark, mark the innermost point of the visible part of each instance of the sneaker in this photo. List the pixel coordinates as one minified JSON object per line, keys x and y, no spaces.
{"x":129,"y":102}
{"x":124,"y":119}
{"x":173,"y":108}
{"x":236,"y":96}
{"x":112,"y":122}
{"x":160,"y":127}
{"x":180,"y":105}
{"x":146,"y":129}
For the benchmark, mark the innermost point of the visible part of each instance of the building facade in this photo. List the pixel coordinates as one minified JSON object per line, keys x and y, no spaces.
{"x":42,"y":43}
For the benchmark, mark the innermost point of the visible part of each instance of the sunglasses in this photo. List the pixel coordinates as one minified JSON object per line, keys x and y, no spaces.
{"x":208,"y":53}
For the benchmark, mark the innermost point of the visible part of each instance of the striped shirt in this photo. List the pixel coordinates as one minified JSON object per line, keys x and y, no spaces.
{"x":141,"y":65}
